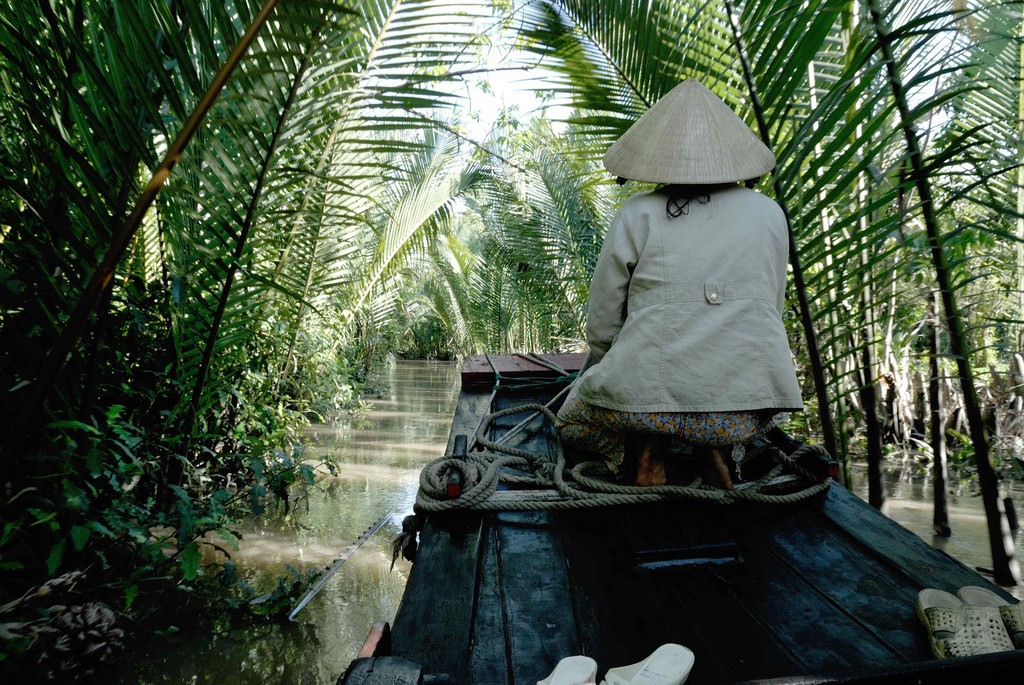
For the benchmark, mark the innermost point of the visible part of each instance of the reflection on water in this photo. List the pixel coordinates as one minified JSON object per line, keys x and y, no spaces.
{"x":379,"y":457}
{"x":909,"y":503}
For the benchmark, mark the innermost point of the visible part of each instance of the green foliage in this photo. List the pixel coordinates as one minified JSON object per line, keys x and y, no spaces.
{"x":231,"y":322}
{"x":330,"y":212}
{"x":278,"y":603}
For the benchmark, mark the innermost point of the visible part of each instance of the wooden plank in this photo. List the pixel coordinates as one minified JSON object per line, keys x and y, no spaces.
{"x":1003,"y":667}
{"x":535,"y":587}
{"x":385,"y":670}
{"x":537,"y":605}
{"x":657,"y":541}
{"x":731,"y":643}
{"x":898,"y":548}
{"x":471,"y":406}
{"x":378,"y":642}
{"x":432,"y":626}
{"x":748,"y":621}
{"x":586,"y":553}
{"x":477,"y":372}
{"x":539,"y":435}
{"x":822,"y":636}
{"x":624,"y":611}
{"x":488,"y":656}
{"x":848,"y":576}
{"x":706,"y":608}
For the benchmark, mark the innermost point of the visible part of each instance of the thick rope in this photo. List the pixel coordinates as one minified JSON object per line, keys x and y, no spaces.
{"x":547,"y":486}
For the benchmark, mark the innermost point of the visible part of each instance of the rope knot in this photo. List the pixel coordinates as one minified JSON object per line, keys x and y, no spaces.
{"x":544,"y":470}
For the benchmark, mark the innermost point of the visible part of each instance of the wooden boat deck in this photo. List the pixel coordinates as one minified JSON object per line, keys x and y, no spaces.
{"x":823,"y":591}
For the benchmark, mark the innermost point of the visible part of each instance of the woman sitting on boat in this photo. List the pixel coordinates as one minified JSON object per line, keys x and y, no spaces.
{"x":684,"y":318}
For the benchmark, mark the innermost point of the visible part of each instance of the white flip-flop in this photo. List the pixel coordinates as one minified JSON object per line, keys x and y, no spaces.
{"x":670,"y":664}
{"x":572,"y":670}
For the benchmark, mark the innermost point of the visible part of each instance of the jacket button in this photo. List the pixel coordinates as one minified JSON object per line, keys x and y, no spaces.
{"x":713,"y":297}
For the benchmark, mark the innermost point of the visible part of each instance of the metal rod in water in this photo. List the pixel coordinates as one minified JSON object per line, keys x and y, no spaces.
{"x":360,"y":541}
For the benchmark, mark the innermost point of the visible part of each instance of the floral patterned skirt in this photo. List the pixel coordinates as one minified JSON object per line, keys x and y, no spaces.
{"x":603,"y":431}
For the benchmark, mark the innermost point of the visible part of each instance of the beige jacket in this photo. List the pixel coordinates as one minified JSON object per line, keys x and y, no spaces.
{"x":685,"y":314}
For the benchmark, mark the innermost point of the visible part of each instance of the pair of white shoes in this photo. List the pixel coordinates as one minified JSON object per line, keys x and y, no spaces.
{"x":670,"y":664}
{"x":974,"y":621}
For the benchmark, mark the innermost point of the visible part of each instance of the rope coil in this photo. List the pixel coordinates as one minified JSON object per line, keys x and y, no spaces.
{"x":548,"y":486}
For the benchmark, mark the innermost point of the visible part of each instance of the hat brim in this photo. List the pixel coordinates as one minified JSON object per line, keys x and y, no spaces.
{"x":689,"y":137}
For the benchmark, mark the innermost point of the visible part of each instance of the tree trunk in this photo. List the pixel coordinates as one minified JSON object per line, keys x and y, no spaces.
{"x":917,"y":431}
{"x":940,"y":469}
{"x":836,"y":294}
{"x":868,"y":393}
{"x":869,"y":400}
{"x":1020,"y":191}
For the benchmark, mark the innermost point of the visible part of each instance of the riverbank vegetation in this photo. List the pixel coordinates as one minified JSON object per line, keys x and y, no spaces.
{"x":194,"y":266}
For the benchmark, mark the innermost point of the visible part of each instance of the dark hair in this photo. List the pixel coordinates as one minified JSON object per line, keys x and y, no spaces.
{"x":679,"y":197}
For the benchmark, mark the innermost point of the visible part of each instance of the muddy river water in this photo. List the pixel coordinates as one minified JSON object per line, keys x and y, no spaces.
{"x":379,"y":457}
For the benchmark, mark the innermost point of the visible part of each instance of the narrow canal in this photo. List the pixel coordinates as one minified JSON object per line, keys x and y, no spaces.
{"x":379,"y":457}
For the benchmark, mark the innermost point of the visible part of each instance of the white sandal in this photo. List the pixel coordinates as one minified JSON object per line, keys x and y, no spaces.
{"x":670,"y":664}
{"x":572,"y":670}
{"x":1012,"y":614}
{"x":957,"y":629}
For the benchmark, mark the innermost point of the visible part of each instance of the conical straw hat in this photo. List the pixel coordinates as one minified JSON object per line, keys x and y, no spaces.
{"x":689,"y":137}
